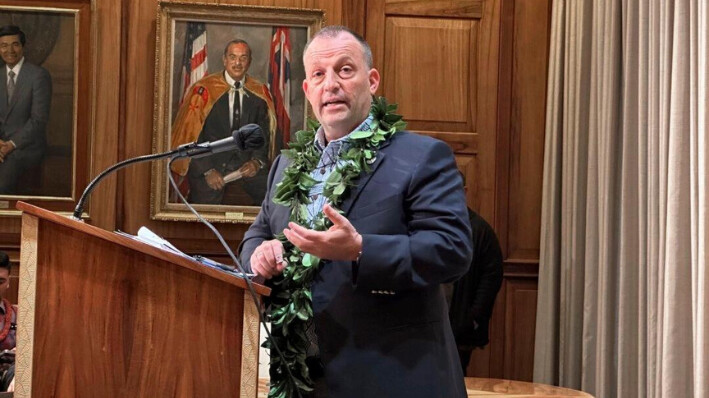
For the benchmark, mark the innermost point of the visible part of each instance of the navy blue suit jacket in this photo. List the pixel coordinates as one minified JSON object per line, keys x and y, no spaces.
{"x":382,"y":323}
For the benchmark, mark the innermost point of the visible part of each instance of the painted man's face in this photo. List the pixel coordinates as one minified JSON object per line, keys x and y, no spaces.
{"x":11,"y":49}
{"x":237,"y":60}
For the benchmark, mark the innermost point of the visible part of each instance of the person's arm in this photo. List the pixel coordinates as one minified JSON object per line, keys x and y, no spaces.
{"x":260,"y":229}
{"x":437,"y":248}
{"x":204,"y":164}
{"x":35,"y":126}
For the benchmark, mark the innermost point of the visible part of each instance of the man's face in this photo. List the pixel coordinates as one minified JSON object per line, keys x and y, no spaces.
{"x":4,"y":281}
{"x":338,"y":83}
{"x":237,"y":60}
{"x":11,"y":49}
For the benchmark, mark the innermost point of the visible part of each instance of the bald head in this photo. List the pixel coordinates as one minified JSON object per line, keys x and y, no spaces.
{"x":334,"y":31}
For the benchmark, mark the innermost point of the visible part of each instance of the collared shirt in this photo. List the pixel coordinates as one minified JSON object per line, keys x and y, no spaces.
{"x":329,"y":159}
{"x":15,"y":69}
{"x":233,"y":91}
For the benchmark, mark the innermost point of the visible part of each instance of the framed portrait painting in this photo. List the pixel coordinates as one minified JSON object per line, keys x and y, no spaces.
{"x":219,"y":68}
{"x":44,"y":105}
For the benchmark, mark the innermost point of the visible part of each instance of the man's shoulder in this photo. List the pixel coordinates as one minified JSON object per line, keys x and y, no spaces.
{"x":34,"y":69}
{"x":253,"y":83}
{"x":213,"y":81}
{"x":255,"y":86}
{"x":260,"y":90}
{"x":407,"y":139}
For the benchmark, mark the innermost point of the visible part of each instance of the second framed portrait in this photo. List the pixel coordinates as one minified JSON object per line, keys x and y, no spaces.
{"x":45,"y":107}
{"x":219,"y":68}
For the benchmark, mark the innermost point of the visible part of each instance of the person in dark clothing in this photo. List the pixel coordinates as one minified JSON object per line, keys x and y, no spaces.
{"x":473,"y":296}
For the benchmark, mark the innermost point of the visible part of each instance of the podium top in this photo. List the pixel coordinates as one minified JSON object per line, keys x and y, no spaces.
{"x":141,"y":247}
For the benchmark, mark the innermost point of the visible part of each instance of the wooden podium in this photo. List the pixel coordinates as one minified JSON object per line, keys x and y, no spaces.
{"x":103,"y":315}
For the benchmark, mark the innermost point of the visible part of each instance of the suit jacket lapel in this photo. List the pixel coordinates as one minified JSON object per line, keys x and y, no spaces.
{"x":3,"y":93}
{"x":363,"y":180}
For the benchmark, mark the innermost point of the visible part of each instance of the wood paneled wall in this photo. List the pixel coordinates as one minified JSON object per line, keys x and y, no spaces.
{"x":470,"y":72}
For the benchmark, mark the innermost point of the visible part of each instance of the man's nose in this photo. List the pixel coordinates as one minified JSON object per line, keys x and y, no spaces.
{"x":331,"y":82}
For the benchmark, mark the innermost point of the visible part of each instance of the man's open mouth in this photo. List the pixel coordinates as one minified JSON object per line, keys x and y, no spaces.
{"x":335,"y":102}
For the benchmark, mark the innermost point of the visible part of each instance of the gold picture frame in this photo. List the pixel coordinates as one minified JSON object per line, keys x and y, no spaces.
{"x":187,"y":94}
{"x":58,"y":40}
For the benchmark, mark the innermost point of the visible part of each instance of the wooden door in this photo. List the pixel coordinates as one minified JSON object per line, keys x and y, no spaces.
{"x":473,"y":74}
{"x":438,"y":61}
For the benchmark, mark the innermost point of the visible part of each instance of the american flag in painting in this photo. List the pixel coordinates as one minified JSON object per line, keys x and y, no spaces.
{"x":194,"y":67}
{"x":279,"y":80}
{"x":194,"y":61}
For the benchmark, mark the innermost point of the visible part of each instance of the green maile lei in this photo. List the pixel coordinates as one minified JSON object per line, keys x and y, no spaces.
{"x":290,"y":304}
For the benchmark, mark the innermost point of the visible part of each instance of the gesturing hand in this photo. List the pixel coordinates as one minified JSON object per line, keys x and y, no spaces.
{"x":267,"y":259}
{"x":339,"y":242}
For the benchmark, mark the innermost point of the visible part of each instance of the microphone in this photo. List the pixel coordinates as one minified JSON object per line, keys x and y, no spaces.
{"x":247,"y":137}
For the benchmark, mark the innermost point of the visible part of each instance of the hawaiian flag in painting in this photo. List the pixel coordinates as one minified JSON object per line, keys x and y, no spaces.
{"x":279,"y":80}
{"x":194,"y":61}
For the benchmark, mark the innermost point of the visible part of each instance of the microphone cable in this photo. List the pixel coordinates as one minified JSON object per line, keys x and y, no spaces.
{"x":239,"y":268}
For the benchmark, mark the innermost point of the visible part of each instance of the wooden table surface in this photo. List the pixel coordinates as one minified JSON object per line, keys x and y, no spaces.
{"x":494,"y":388}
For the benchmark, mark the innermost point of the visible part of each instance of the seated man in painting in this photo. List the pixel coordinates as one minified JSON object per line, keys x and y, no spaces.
{"x":25,"y":96}
{"x":212,"y":109}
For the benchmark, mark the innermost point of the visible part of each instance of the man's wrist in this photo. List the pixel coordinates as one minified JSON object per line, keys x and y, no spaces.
{"x":358,"y":248}
{"x":208,"y":172}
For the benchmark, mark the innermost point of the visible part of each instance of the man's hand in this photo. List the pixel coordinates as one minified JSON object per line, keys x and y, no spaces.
{"x":267,"y":260}
{"x":250,"y":168}
{"x":339,"y":242}
{"x":214,"y":179}
{"x":5,"y":148}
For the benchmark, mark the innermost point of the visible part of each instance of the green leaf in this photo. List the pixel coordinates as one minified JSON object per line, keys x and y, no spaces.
{"x":339,"y":189}
{"x":310,"y":261}
{"x":357,"y":135}
{"x":313,"y":124}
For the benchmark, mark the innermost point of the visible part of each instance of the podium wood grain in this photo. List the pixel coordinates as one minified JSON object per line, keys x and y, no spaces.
{"x":105,"y":316}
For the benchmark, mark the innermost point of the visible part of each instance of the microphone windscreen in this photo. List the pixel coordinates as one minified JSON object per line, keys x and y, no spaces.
{"x":249,"y":136}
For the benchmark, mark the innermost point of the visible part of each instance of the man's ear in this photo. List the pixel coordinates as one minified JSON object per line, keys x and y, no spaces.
{"x":305,"y":87}
{"x":374,"y":79}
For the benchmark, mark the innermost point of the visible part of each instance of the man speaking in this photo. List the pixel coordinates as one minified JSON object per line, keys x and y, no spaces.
{"x":378,"y":324}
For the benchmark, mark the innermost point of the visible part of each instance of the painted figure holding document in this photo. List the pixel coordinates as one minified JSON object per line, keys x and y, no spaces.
{"x":214,"y":107}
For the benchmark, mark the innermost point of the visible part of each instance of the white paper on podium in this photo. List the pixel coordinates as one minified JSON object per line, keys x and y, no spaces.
{"x":149,"y":237}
